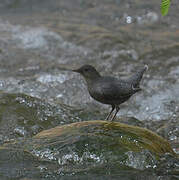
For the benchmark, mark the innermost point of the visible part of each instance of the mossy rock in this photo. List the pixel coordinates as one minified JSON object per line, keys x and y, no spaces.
{"x":90,"y":147}
{"x":109,"y":134}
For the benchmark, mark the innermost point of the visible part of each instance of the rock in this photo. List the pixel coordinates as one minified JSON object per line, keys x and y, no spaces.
{"x":111,"y":134}
{"x":86,"y":147}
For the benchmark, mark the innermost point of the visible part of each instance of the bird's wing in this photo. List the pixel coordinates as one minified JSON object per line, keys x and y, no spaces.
{"x":109,"y":89}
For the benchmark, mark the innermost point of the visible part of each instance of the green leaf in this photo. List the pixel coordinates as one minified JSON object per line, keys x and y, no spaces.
{"x":164,"y":7}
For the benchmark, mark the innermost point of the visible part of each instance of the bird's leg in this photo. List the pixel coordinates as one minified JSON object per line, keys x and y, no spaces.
{"x":117,"y":109}
{"x":107,"y":118}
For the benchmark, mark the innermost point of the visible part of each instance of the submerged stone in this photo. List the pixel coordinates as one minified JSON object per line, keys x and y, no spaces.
{"x":100,"y":142}
{"x":91,"y":146}
{"x":111,"y":135}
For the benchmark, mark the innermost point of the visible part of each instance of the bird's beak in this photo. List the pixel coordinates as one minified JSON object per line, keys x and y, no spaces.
{"x":76,"y":70}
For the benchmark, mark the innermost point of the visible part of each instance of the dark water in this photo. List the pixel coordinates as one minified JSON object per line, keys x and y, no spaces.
{"x":39,"y":39}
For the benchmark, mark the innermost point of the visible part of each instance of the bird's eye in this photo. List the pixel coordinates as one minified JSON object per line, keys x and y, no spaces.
{"x":86,"y":69}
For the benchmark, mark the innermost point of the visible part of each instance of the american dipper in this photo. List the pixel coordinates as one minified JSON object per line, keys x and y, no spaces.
{"x":110,"y":90}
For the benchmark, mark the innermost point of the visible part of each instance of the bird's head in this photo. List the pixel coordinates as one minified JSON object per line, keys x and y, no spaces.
{"x":88,"y":72}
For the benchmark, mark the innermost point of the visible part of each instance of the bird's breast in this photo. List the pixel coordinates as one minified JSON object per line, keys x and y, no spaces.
{"x":96,"y":93}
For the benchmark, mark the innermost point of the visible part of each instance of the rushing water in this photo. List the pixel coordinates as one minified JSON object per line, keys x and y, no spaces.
{"x":39,"y":40}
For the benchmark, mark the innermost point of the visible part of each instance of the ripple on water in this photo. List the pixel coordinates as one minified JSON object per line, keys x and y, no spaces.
{"x":157,"y":106}
{"x":38,"y":38}
{"x":48,"y":78}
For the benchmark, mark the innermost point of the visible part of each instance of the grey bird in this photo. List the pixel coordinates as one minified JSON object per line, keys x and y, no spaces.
{"x":110,"y":90}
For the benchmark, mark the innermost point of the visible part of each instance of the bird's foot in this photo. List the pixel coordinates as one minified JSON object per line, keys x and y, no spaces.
{"x":107,"y":118}
{"x":114,"y":116}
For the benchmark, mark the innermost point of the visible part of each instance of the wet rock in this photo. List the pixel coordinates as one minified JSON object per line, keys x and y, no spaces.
{"x":79,"y":147}
{"x":20,"y":131}
{"x":132,"y":138}
{"x":17,"y":164}
{"x":24,"y":116}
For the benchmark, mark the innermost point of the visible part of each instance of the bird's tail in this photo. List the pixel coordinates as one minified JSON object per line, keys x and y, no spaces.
{"x":136,"y":78}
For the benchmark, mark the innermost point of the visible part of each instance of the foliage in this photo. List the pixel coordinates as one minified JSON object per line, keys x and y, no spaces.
{"x":164,"y":7}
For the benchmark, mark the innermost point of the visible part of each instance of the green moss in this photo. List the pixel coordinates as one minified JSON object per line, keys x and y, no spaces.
{"x":130,"y":137}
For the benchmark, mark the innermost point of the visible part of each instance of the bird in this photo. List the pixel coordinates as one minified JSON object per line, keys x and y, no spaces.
{"x":110,"y":90}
